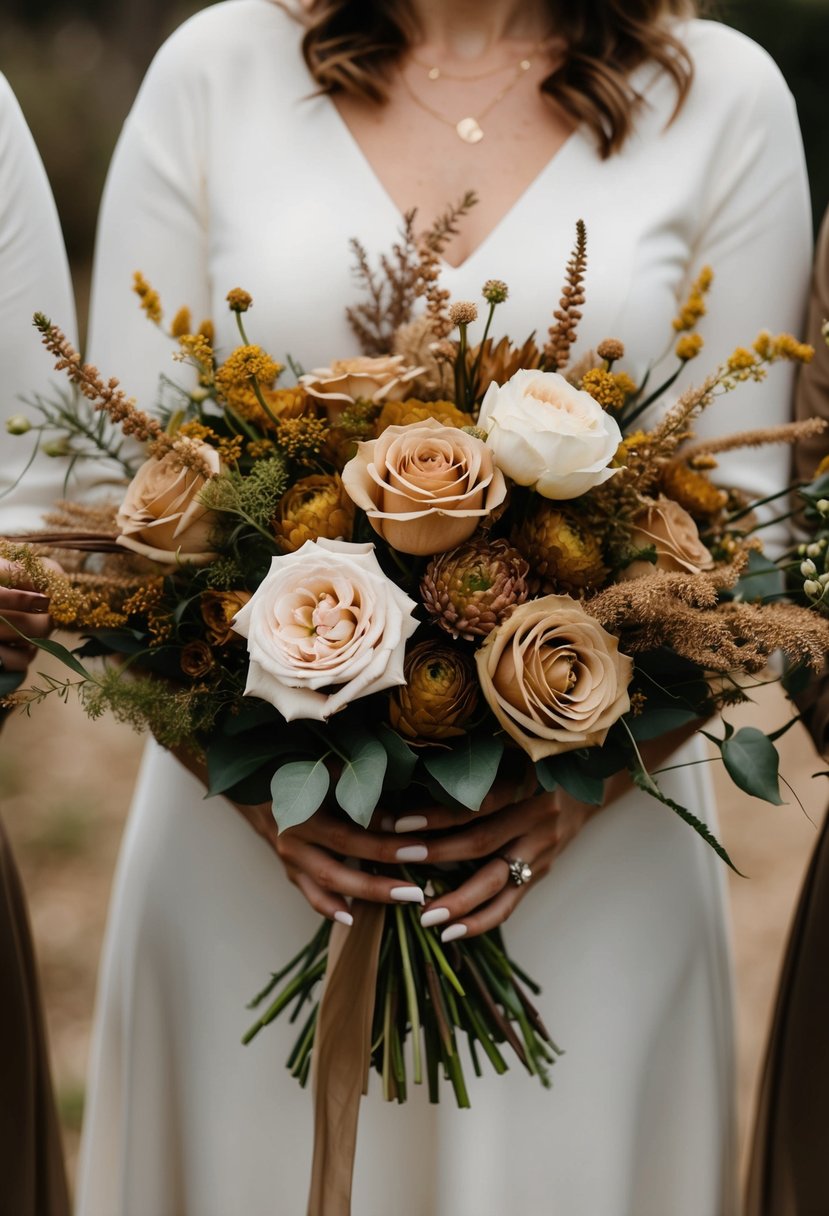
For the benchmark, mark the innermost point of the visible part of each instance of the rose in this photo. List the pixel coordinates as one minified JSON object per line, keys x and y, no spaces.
{"x":324,"y":627}
{"x":424,"y":487}
{"x":548,"y":435}
{"x":365,"y":378}
{"x":161,"y":516}
{"x":671,"y":531}
{"x":554,"y":677}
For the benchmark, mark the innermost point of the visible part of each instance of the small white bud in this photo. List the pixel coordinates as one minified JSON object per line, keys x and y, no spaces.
{"x":813,"y":589}
{"x":808,"y":569}
{"x":822,"y":505}
{"x":815,"y":549}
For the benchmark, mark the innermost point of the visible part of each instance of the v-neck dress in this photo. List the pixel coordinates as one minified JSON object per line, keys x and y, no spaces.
{"x":230,"y":173}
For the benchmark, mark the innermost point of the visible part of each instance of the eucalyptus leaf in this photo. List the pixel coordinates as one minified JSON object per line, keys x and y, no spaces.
{"x":467,"y":770}
{"x":575,"y":777}
{"x":752,"y":762}
{"x":361,"y":781}
{"x":230,"y":761}
{"x":652,"y":724}
{"x":297,"y":790}
{"x":65,"y":656}
{"x":402,"y":760}
{"x":762,"y":580}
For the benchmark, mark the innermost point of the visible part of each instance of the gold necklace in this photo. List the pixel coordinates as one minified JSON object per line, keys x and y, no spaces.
{"x":433,"y":72}
{"x":469,"y":129}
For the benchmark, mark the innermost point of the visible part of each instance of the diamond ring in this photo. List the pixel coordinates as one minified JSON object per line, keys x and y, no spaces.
{"x":520,"y":872}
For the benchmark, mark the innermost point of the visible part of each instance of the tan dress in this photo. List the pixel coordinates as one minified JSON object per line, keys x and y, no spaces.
{"x":788,"y":1175}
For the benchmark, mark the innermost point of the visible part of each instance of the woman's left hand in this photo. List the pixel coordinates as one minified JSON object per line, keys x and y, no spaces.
{"x":533,"y":830}
{"x":22,"y":611}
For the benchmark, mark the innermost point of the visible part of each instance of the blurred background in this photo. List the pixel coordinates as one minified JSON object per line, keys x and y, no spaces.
{"x":75,"y":66}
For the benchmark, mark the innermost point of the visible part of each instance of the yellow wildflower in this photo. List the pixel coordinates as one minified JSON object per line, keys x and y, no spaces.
{"x":694,"y":306}
{"x":402,"y":413}
{"x":625,"y":383}
{"x":260,"y":449}
{"x":148,"y":297}
{"x":787,"y":347}
{"x":302,"y":438}
{"x":235,"y":378}
{"x":688,"y":347}
{"x":208,"y":332}
{"x":602,"y":387}
{"x":692,"y":489}
{"x":181,"y":324}
{"x":239,"y":300}
{"x":741,"y":359}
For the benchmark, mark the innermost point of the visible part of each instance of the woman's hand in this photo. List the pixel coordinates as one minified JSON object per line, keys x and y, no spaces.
{"x":22,"y":611}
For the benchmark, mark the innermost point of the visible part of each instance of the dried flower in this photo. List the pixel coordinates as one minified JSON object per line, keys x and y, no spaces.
{"x":239,"y":300}
{"x":196,"y":659}
{"x":235,"y":378}
{"x":694,"y":307}
{"x":440,"y":694}
{"x":603,"y":387}
{"x":181,"y":324}
{"x":313,"y":507}
{"x":495,"y":291}
{"x":562,"y":335}
{"x":688,"y":347}
{"x":563,"y":554}
{"x":404,"y":413}
{"x":218,"y":608}
{"x":692,"y":489}
{"x":464,"y":312}
{"x":302,"y":438}
{"x":148,"y":297}
{"x":469,"y":590}
{"x":611,"y":349}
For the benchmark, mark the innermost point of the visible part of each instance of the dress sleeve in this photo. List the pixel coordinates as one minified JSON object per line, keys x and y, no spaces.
{"x":152,"y":220}
{"x":755,"y":232}
{"x":34,"y":276}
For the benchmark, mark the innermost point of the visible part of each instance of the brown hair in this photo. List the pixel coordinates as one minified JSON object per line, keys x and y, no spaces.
{"x":349,"y":46}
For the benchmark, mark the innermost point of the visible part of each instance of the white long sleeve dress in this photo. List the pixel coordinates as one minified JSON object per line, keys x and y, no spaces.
{"x":227,"y":174}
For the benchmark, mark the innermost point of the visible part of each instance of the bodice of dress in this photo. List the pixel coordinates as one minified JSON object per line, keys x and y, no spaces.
{"x":229,"y":173}
{"x":34,"y":276}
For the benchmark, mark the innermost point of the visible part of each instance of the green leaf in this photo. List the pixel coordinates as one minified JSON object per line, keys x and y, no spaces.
{"x":646,"y":783}
{"x":762,"y":580}
{"x":297,"y":790}
{"x":361,"y":781}
{"x":252,"y":714}
{"x":65,"y":656}
{"x":751,"y":761}
{"x":545,"y":777}
{"x":652,"y":724}
{"x":577,"y":779}
{"x":402,"y":760}
{"x":467,"y":770}
{"x":230,"y":761}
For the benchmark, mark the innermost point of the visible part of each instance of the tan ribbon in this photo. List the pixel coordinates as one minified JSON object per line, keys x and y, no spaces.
{"x":342,"y":1055}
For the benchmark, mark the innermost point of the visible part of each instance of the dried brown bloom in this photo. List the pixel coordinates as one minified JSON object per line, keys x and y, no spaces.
{"x":463,"y":312}
{"x":788,"y":432}
{"x":611,"y":349}
{"x":431,"y":247}
{"x":692,"y":490}
{"x":218,"y":608}
{"x":196,"y":659}
{"x":469,"y":590}
{"x":500,"y":361}
{"x":391,"y":292}
{"x":562,"y":334}
{"x":239,"y":300}
{"x":495,"y":291}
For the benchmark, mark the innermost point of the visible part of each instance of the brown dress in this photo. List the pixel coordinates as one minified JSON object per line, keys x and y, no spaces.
{"x":789,"y":1172}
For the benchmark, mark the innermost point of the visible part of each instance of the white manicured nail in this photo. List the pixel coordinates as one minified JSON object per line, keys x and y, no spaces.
{"x":453,"y":933}
{"x":411,"y":823}
{"x":387,"y":823}
{"x":434,"y":916}
{"x":412,"y":852}
{"x":344,"y":918}
{"x":407,"y":895}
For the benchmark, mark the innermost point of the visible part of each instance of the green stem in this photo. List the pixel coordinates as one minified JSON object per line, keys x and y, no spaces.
{"x":411,"y":994}
{"x":476,"y":370}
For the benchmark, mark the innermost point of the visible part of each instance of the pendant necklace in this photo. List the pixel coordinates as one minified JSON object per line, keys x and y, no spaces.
{"x":469,"y":128}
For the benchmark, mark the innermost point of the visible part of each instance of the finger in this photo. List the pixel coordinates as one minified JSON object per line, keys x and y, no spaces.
{"x":12,"y":599}
{"x":341,"y":835}
{"x":456,"y":905}
{"x":492,"y":834}
{"x":330,"y":874}
{"x":437,"y":818}
{"x":16,"y":658}
{"x":499,"y":909}
{"x":30,"y":625}
{"x":322,"y":901}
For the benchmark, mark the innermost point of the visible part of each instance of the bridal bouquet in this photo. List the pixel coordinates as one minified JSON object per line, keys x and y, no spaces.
{"x":406,"y":573}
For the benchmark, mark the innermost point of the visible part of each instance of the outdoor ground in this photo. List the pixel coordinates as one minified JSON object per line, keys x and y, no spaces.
{"x":64,"y":791}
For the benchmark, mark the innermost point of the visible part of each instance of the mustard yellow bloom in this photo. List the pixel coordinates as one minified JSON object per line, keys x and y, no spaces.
{"x":149,"y":298}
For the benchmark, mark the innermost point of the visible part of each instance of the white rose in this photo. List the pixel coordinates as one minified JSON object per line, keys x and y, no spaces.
{"x":324,"y":627}
{"x":548,"y":435}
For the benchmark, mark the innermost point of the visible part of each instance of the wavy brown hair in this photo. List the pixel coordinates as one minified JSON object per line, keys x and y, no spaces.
{"x":351,"y":45}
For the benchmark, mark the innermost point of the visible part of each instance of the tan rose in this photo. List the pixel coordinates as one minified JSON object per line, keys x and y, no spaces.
{"x":553,"y":677}
{"x":218,"y":608}
{"x":362,"y":378}
{"x":672,"y":532}
{"x":161,"y":516}
{"x":425,"y":487}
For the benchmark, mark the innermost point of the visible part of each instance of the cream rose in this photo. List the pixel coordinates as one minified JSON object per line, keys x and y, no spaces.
{"x":161,"y":516}
{"x":324,"y":627}
{"x":554,"y":677}
{"x":366,"y":378}
{"x":548,"y":435}
{"x":672,"y":532}
{"x":424,"y":487}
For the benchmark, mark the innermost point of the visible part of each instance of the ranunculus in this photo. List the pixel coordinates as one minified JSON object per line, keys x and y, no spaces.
{"x":439,"y":696}
{"x":161,"y":516}
{"x":548,"y":435}
{"x":425,"y":487}
{"x":324,"y":627}
{"x":218,"y":608}
{"x":554,"y":677}
{"x":673,"y":534}
{"x":362,"y":378}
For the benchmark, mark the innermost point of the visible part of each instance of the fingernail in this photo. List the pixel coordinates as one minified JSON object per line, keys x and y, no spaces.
{"x":453,"y":933}
{"x":412,"y":852}
{"x":411,"y":823}
{"x":387,"y":823}
{"x":434,"y":916}
{"x":344,"y":918}
{"x":407,"y":895}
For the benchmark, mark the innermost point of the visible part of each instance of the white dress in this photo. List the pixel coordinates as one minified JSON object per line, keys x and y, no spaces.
{"x":228,"y":174}
{"x":34,"y":277}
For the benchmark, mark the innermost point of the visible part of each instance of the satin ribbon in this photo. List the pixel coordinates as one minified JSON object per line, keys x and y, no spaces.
{"x":342,"y":1056}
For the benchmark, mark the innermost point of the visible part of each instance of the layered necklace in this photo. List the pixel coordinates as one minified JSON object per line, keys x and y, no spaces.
{"x":468,"y":128}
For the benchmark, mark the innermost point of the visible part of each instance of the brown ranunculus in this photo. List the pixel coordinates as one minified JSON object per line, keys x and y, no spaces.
{"x":313,"y":507}
{"x":426,"y":487}
{"x":440,"y":694}
{"x":672,"y":532}
{"x":196,"y":659}
{"x":161,"y":516}
{"x":554,"y":677}
{"x":362,"y":378}
{"x":218,"y":608}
